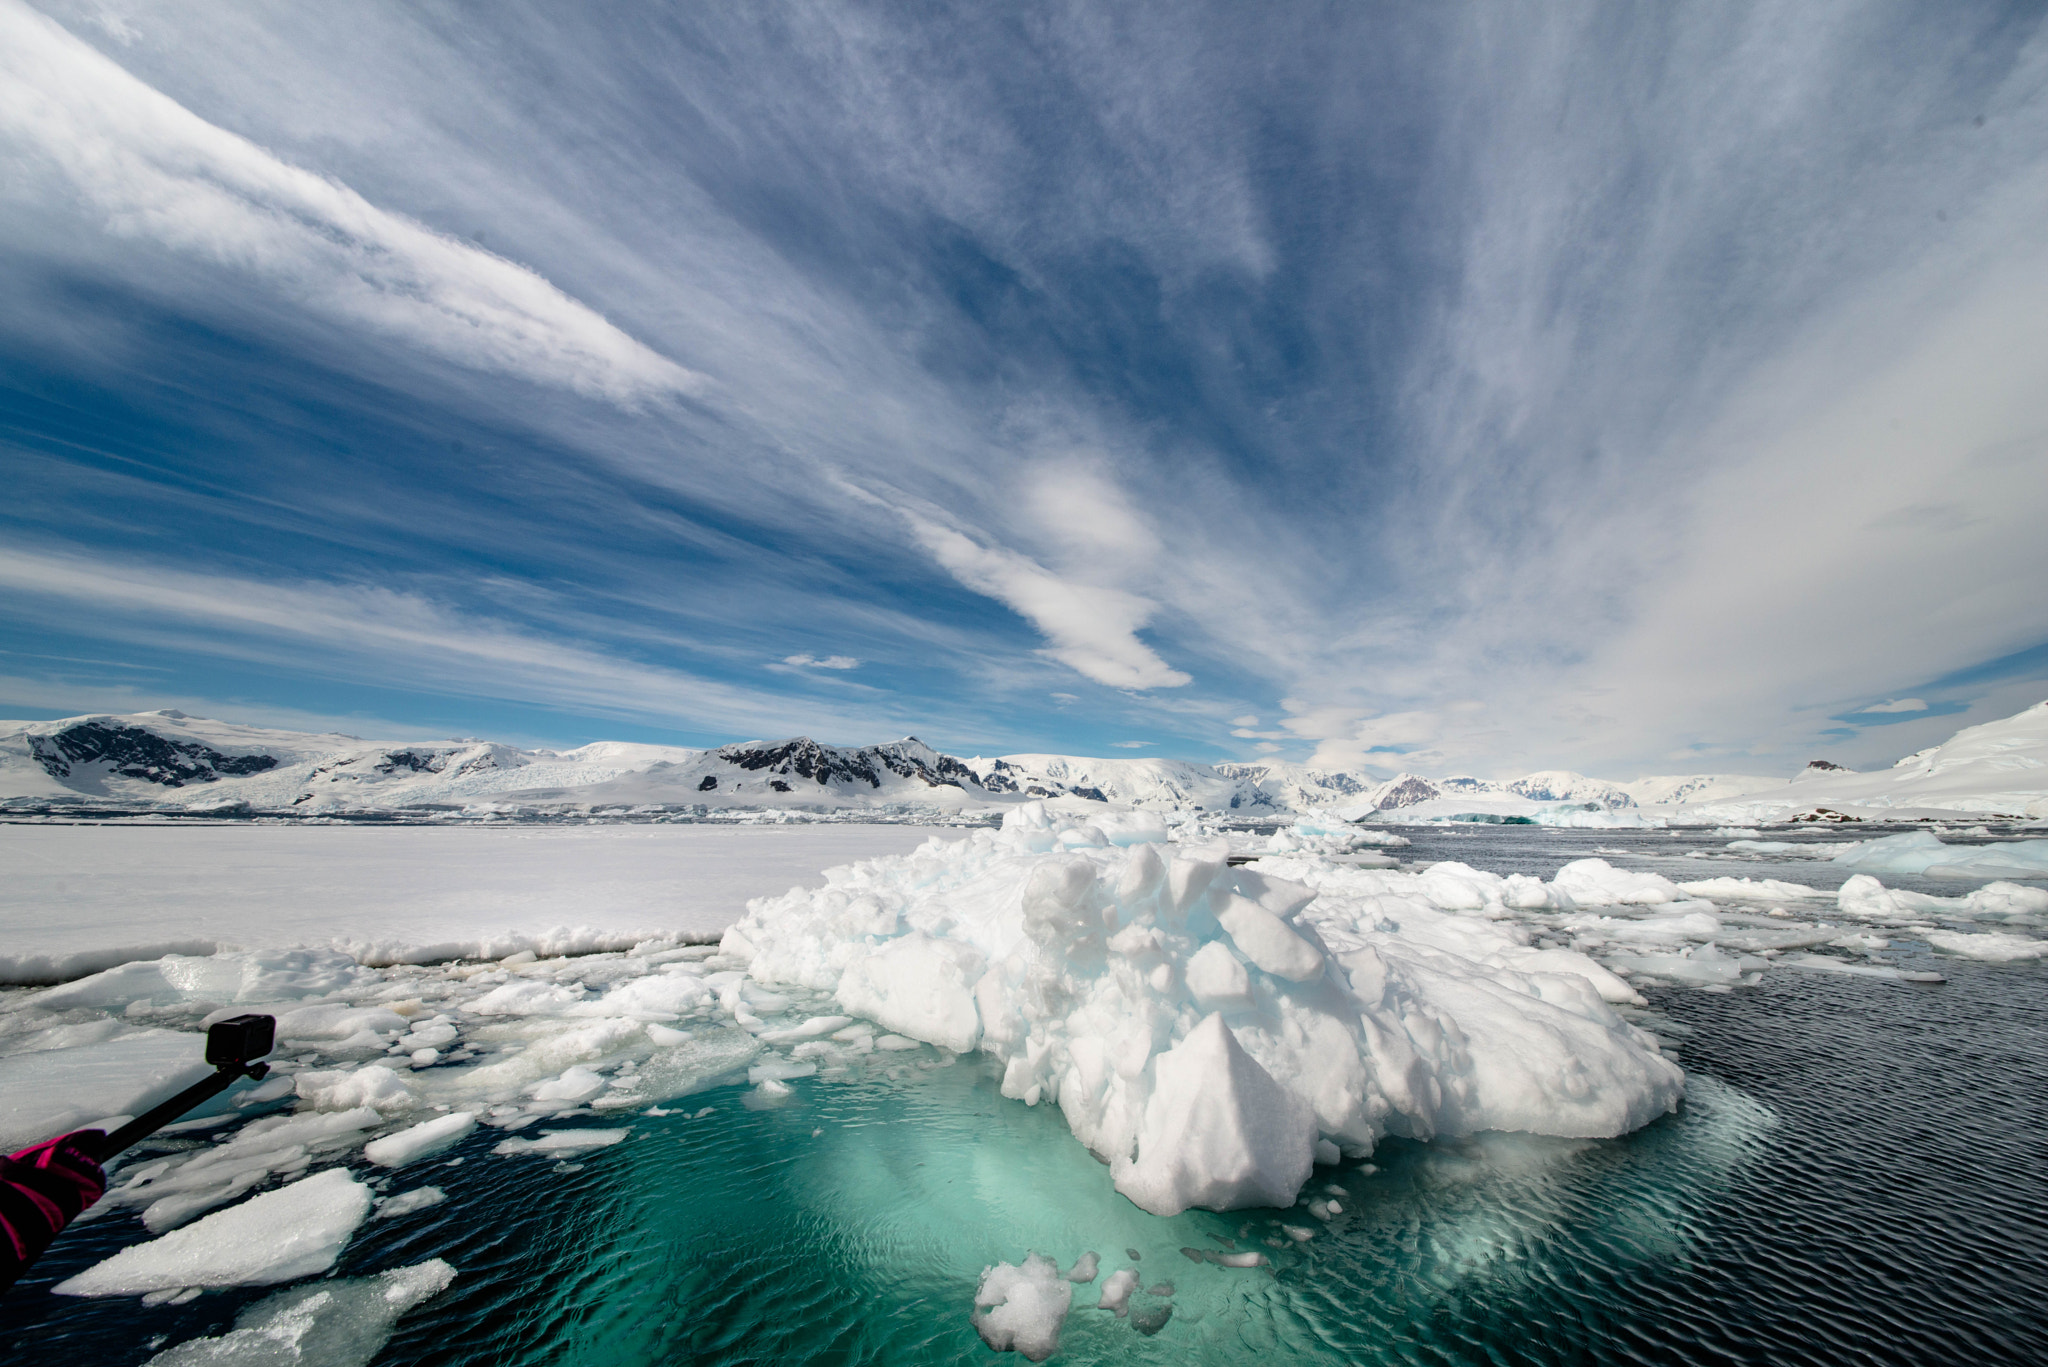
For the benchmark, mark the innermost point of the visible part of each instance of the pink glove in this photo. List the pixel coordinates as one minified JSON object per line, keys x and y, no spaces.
{"x":43,"y":1189}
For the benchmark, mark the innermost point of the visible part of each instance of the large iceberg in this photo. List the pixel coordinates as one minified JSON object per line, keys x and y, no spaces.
{"x":1208,"y":1030}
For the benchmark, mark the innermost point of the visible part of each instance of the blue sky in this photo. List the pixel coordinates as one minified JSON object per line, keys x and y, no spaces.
{"x":1389,"y":386}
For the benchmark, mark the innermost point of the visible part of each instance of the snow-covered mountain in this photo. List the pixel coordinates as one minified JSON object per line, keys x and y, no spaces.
{"x":1997,"y":769}
{"x":170,"y":761}
{"x":173,"y":761}
{"x":1666,"y":789}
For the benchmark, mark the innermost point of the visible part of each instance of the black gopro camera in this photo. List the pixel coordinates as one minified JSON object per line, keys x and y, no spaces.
{"x":239,"y":1040}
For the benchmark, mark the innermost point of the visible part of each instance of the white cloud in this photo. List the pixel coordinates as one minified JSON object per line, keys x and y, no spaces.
{"x":1092,"y":629}
{"x":1902,"y":705}
{"x":808,"y":661}
{"x":157,"y":171}
{"x":1249,"y":719}
{"x":1131,"y":744}
{"x":392,"y":639}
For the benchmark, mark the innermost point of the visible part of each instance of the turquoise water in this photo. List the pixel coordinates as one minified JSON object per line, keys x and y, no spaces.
{"x":853,"y":1225}
{"x":1854,"y":1177}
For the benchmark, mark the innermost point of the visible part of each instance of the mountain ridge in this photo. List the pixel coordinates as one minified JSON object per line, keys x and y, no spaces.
{"x":170,"y":761}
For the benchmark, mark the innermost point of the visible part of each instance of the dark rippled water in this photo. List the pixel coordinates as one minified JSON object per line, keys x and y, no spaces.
{"x":1858,"y":1177}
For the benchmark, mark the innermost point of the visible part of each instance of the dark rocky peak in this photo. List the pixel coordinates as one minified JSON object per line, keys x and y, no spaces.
{"x":825,"y":764}
{"x":137,"y":752}
{"x":415,"y":761}
{"x":1405,"y":790}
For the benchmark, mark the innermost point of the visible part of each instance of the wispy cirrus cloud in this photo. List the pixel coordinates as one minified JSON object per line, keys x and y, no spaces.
{"x":1092,"y":629}
{"x":153,"y":170}
{"x":395,"y":639}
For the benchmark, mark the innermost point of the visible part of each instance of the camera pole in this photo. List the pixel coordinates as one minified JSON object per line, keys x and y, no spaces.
{"x":230,"y":1044}
{"x":46,"y":1186}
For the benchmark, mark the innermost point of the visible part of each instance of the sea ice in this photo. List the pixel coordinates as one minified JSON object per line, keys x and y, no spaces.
{"x":1116,"y":1291}
{"x":341,"y":1323}
{"x":406,"y":1202}
{"x":173,"y":1190}
{"x":1202,"y":1026}
{"x":424,"y":1140}
{"x":279,"y":1236}
{"x":1022,"y":1308}
{"x":560,"y":1143}
{"x":1925,"y":853}
{"x":1991,"y":947}
{"x":120,"y":1074}
{"x":83,"y":898}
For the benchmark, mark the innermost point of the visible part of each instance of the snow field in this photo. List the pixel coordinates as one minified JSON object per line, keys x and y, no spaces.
{"x":76,"y":899}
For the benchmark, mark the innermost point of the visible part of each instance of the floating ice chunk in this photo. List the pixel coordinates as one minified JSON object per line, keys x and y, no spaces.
{"x":1923,"y":852}
{"x":1579,"y":817}
{"x":1085,"y":1267}
{"x":707,"y":1058}
{"x":2008,"y":902}
{"x":424,"y":1140}
{"x":1823,"y":963}
{"x":1793,"y":849}
{"x":279,"y":1236}
{"x":779,"y":1070}
{"x":1596,"y":883}
{"x":560,"y":1142}
{"x":663,"y":1035}
{"x":1116,"y":1291}
{"x":175,"y":1190}
{"x":891,"y":1043}
{"x":1991,"y":948}
{"x":1022,"y":1309}
{"x":919,"y":986}
{"x":1706,"y":965}
{"x":1748,"y":890}
{"x":576,"y":1083}
{"x":332,"y":1022}
{"x":662,"y":996}
{"x":1217,"y":1132}
{"x":810,"y":1029}
{"x":374,"y":1085}
{"x":527,"y":997}
{"x":406,"y":1202}
{"x":332,"y":1324}
{"x":1680,"y":921}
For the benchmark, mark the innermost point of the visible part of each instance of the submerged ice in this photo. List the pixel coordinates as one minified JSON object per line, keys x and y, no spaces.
{"x":1204,"y":1027}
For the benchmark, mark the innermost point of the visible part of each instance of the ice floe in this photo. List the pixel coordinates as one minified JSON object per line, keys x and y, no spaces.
{"x":278,"y":1236}
{"x":1202,"y":1026}
{"x":1924,"y":852}
{"x":339,"y":1323}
